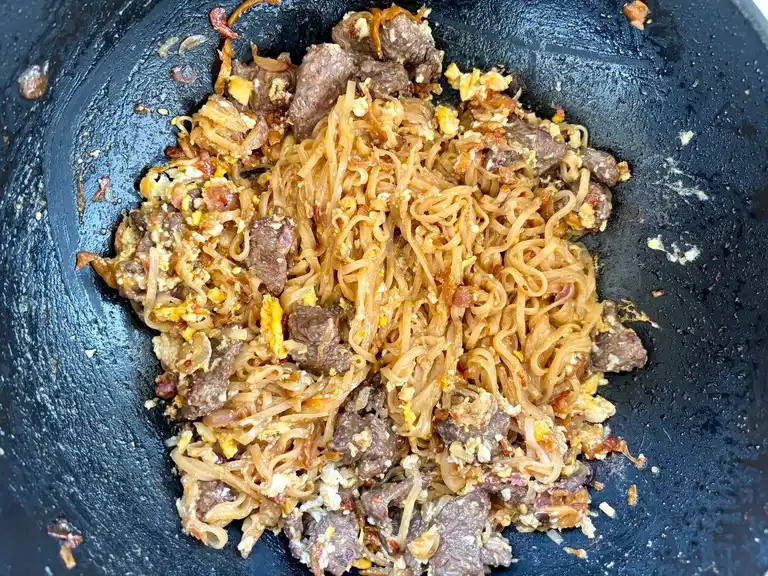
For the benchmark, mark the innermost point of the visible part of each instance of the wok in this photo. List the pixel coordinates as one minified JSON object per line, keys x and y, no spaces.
{"x":76,"y":365}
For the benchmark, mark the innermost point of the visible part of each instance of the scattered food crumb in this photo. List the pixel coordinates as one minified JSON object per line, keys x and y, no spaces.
{"x":632,"y":495}
{"x":607,"y":509}
{"x":629,"y":313}
{"x":95,"y":154}
{"x":33,"y":82}
{"x":90,"y":352}
{"x":580,"y":553}
{"x":2,"y":452}
{"x":657,"y":293}
{"x":598,"y":485}
{"x":555,"y":536}
{"x":163,"y":111}
{"x":62,"y":530}
{"x":641,"y":461}
{"x":676,"y":254}
{"x":162,"y":51}
{"x":104,"y":183}
{"x":149,"y":404}
{"x":686,"y":137}
{"x":141,"y":109}
{"x":655,"y":470}
{"x":637,"y":13}
{"x":183,"y":74}
{"x":38,"y":215}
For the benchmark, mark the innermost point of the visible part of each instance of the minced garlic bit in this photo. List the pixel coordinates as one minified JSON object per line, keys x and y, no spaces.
{"x":607,"y":509}
{"x":624,"y":172}
{"x":686,"y":137}
{"x":632,"y":495}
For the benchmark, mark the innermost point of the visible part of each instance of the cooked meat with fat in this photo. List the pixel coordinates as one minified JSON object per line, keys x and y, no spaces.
{"x":412,"y":44}
{"x":207,"y":390}
{"x":317,"y":347}
{"x":213,"y":493}
{"x":271,"y":251}
{"x":322,"y":78}
{"x":271,"y":90}
{"x":602,"y":165}
{"x":384,"y":78}
{"x":377,"y":501}
{"x":330,"y":544}
{"x":367,"y":442}
{"x":547,"y":151}
{"x":353,"y":33}
{"x":618,"y":348}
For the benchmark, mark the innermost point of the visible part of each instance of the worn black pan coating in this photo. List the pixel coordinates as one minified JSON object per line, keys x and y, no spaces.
{"x":76,"y":366}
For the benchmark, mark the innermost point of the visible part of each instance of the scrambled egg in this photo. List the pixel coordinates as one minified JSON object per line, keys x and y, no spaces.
{"x":240,"y":89}
{"x":188,"y":311}
{"x":228,"y":445}
{"x":540,"y":430}
{"x":272,"y":325}
{"x":447,"y":120}
{"x":476,"y":84}
{"x":596,"y":409}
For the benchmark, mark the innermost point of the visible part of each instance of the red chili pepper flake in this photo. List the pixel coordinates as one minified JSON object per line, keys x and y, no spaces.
{"x":183,"y":74}
{"x":104,"y":183}
{"x":218,"y":18}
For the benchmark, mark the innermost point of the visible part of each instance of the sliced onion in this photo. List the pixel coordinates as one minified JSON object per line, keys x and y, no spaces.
{"x":166,"y":46}
{"x":555,"y":536}
{"x":194,"y":355}
{"x":190,"y":43}
{"x":271,"y":65}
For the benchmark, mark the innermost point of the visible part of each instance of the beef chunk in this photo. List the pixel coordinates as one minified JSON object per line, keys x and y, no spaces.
{"x":386,"y":78}
{"x":513,"y":489}
{"x":618,"y":349}
{"x":578,"y":479}
{"x":207,"y":391}
{"x":165,"y":385}
{"x":411,"y":43}
{"x":132,"y":280}
{"x":271,"y":90}
{"x":321,"y":80}
{"x":271,"y":247}
{"x":369,"y":398}
{"x":377,"y":501}
{"x":212,"y":493}
{"x":602,"y":165}
{"x":498,"y":156}
{"x":367,"y":441}
{"x":460,"y":524}
{"x":548,"y":151}
{"x":353,"y":33}
{"x":316,"y":331}
{"x":496,"y":552}
{"x":462,"y":425}
{"x":601,"y":200}
{"x":333,"y":543}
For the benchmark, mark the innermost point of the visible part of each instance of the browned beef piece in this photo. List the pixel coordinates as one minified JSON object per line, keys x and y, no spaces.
{"x":271,"y":249}
{"x":317,"y":329}
{"x":412,"y":44}
{"x":207,"y":391}
{"x":132,"y":279}
{"x":450,"y":431}
{"x":618,"y":349}
{"x":513,"y":489}
{"x":293,"y":526}
{"x":460,"y":524}
{"x":212,"y":493}
{"x":548,"y":151}
{"x":322,"y":78}
{"x":369,"y":398}
{"x":165,"y":385}
{"x":601,"y":200}
{"x":366,"y":441}
{"x":271,"y":90}
{"x":602,"y":165}
{"x":377,"y":501}
{"x":344,"y":545}
{"x":500,"y":155}
{"x":578,"y":479}
{"x":386,"y":78}
{"x":353,"y":35}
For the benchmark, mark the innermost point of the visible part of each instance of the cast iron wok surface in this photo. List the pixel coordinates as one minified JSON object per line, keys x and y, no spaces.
{"x":76,"y":439}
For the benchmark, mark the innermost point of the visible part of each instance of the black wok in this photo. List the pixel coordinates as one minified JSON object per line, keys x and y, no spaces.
{"x":76,"y":439}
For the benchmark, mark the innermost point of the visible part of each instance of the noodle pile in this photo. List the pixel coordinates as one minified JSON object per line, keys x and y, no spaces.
{"x":461,"y":287}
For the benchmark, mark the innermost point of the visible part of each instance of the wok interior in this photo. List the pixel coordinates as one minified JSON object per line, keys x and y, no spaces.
{"x":77,"y":439}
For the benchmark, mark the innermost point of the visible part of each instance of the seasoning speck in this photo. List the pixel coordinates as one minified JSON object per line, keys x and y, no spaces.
{"x":33,"y":82}
{"x":163,"y":111}
{"x":90,"y":353}
{"x":149,"y":404}
{"x":580,"y":553}
{"x":38,"y":215}
{"x":657,"y":293}
{"x":655,"y":470}
{"x":141,"y":109}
